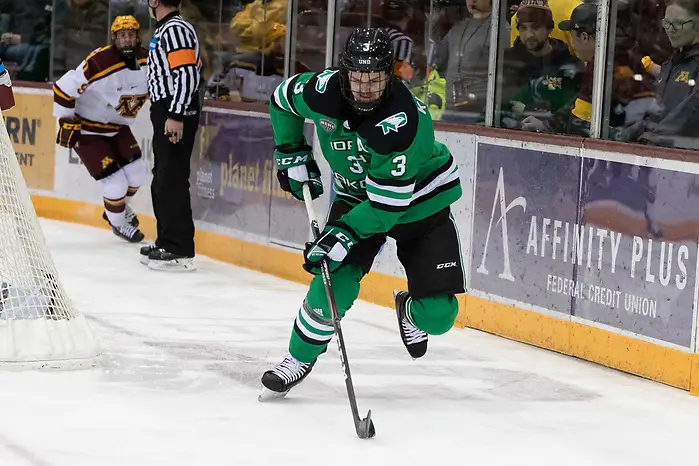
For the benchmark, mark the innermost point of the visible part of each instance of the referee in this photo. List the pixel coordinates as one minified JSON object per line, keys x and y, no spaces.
{"x":173,"y":84}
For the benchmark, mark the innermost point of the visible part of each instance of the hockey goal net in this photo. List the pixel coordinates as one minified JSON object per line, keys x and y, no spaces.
{"x":39,"y":327}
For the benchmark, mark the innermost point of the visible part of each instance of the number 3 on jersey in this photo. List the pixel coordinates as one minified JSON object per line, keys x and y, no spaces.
{"x":399,"y":162}
{"x":356,"y":163}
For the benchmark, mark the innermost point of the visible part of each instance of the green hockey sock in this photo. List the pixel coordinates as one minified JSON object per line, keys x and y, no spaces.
{"x":313,"y":328}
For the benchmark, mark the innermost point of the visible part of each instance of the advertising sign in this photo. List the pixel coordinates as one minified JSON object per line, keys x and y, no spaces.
{"x":234,"y":182}
{"x":643,"y":225}
{"x":32,"y":130}
{"x":524,"y":226}
{"x":615,"y":244}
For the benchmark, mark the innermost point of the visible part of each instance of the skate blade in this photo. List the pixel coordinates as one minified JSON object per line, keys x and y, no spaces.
{"x":267,"y":395}
{"x":177,"y":265}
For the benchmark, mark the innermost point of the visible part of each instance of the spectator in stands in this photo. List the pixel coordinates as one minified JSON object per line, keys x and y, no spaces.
{"x":207,"y":42}
{"x":396,"y":19}
{"x":463,"y":59}
{"x":539,"y":72}
{"x":253,"y":75}
{"x":251,"y":24}
{"x":441,"y":16}
{"x":639,"y":33}
{"x":25,"y":38}
{"x":675,"y":122}
{"x":627,"y":91}
{"x":80,"y":26}
{"x":561,"y":11}
{"x":136,"y":8}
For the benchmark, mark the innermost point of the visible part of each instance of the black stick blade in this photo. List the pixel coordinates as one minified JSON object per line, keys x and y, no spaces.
{"x":365,"y":427}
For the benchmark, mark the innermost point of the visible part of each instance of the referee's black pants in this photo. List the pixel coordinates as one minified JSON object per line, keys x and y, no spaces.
{"x":170,"y":188}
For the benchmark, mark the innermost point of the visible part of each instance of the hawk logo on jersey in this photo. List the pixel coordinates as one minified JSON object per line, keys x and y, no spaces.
{"x":327,"y":125}
{"x":322,"y":80}
{"x":393,"y":122}
{"x":129,"y":105}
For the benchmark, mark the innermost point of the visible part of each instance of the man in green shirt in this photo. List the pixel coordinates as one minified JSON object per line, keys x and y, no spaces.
{"x":391,"y":179}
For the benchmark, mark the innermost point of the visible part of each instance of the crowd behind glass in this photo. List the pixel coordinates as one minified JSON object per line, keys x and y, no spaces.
{"x":544,"y":62}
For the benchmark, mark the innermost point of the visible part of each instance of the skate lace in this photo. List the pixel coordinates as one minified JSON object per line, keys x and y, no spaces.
{"x":129,"y":214}
{"x":412,"y":334}
{"x":128,"y":230}
{"x":290,"y":369}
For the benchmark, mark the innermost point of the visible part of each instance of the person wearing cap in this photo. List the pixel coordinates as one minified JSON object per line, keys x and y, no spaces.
{"x":627,"y":96}
{"x":540,"y":73}
{"x":582,"y":28}
{"x":560,"y":10}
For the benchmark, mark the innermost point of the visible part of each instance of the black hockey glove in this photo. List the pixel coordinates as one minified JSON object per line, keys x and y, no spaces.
{"x":68,"y":132}
{"x":296,"y":167}
{"x":332,"y":245}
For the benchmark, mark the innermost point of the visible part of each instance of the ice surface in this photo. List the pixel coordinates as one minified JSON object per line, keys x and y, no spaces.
{"x":183,"y":354}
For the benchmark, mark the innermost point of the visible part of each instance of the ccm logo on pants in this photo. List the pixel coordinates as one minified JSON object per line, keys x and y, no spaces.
{"x":446,"y":265}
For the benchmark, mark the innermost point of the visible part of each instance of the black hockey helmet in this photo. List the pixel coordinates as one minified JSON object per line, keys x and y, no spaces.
{"x":367,"y":51}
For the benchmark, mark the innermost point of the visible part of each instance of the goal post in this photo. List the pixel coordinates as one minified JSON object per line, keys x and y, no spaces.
{"x":39,"y":326}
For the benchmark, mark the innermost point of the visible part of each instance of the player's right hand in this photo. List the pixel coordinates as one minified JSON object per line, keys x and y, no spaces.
{"x":68,"y":132}
{"x":296,"y":167}
{"x":332,"y":245}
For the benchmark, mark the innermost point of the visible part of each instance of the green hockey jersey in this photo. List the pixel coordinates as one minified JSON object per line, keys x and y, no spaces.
{"x":386,"y":164}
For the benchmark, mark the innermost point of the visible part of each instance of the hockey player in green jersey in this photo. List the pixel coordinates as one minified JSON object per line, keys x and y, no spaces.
{"x":392,"y":179}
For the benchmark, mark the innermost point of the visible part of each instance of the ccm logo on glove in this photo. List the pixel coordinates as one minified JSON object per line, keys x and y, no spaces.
{"x":333,"y":245}
{"x":293,"y":161}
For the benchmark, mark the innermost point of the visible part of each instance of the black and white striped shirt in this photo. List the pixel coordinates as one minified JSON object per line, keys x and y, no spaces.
{"x":174,"y":66}
{"x":402,"y":45}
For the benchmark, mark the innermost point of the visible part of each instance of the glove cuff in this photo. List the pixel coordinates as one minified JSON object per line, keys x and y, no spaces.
{"x":292,"y":156}
{"x":345,"y":229}
{"x":71,"y":124}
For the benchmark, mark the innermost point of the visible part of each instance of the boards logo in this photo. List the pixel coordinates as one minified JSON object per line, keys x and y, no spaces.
{"x":327,"y":125}
{"x":393,"y":122}
{"x":499,"y":200}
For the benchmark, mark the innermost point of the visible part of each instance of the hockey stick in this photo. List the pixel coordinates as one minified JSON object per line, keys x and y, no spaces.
{"x":364,"y":427}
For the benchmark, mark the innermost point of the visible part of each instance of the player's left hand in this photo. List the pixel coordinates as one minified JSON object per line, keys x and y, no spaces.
{"x":174,"y":130}
{"x":332,"y":245}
